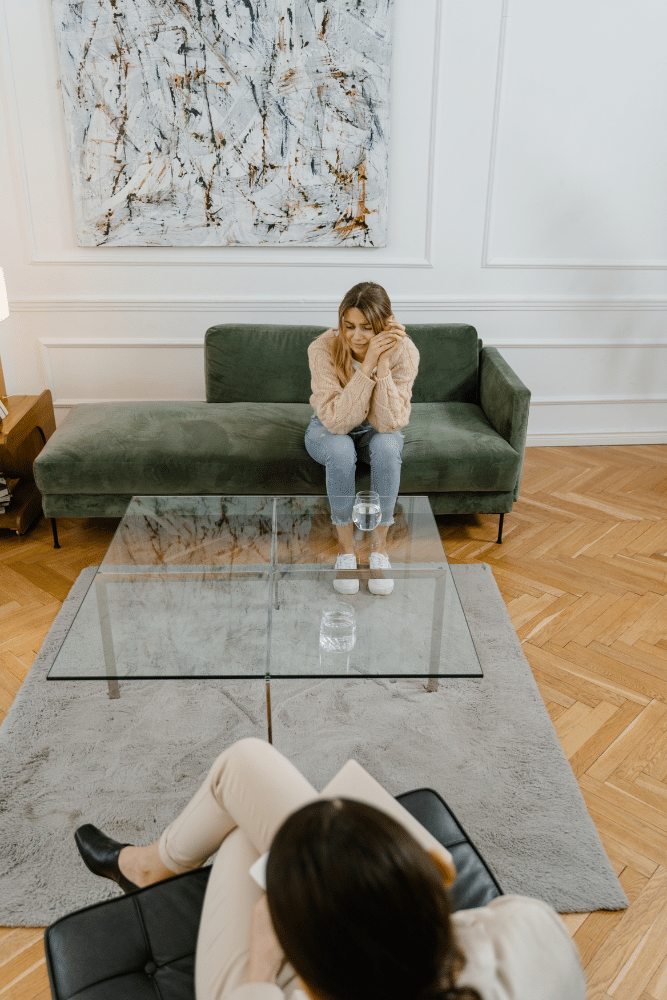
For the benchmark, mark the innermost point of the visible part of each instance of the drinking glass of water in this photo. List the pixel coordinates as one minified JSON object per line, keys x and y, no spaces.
{"x":366,"y":511}
{"x":338,"y":626}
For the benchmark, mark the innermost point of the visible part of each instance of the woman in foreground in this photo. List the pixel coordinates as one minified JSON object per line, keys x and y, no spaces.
{"x":355,"y":908}
{"x":361,"y":377}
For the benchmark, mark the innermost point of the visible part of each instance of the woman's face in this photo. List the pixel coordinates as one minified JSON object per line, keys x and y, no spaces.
{"x":358,"y":332}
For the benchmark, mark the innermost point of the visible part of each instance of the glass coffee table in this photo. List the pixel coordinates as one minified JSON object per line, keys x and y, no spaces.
{"x":234,"y":587}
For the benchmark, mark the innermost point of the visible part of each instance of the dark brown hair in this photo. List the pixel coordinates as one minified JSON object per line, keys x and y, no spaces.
{"x":374,"y":303}
{"x":359,"y":907}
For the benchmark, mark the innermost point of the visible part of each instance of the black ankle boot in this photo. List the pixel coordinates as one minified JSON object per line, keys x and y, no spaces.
{"x":100,"y":855}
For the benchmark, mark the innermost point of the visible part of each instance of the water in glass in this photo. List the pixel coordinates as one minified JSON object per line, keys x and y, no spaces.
{"x":338,"y":626}
{"x":366,"y":511}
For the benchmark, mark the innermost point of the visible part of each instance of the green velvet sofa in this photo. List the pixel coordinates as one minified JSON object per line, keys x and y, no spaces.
{"x":464,"y":444}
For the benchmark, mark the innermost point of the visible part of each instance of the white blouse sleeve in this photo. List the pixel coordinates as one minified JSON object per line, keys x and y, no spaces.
{"x":262,"y":991}
{"x":517,"y":948}
{"x":255,"y":991}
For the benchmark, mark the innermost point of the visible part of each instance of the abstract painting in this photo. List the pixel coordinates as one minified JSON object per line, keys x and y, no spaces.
{"x":227,"y":122}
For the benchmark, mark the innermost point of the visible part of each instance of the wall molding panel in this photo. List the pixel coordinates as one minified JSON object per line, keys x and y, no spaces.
{"x":119,"y":256}
{"x":433,"y":133}
{"x":16,"y":137}
{"x":259,"y":304}
{"x":123,"y":370}
{"x":639,"y":265}
{"x":489,"y":260}
{"x":493,"y":150}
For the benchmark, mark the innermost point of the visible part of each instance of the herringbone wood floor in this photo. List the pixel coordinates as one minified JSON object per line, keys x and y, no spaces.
{"x":583,"y":571}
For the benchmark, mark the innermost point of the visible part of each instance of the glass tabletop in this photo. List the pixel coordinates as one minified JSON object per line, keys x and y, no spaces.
{"x":235,"y":587}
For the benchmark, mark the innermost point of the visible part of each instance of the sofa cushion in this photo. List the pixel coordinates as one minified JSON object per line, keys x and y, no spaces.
{"x":181,"y":448}
{"x":235,"y":448}
{"x":448,"y":362}
{"x":453,"y":447}
{"x":246,"y":362}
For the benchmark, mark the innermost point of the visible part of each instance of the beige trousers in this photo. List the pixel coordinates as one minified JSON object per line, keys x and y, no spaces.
{"x":248,"y":793}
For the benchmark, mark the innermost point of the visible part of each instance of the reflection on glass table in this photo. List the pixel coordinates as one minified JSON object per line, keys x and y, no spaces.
{"x":235,"y":587}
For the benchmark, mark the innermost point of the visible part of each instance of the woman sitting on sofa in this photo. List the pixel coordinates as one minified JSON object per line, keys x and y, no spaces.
{"x":361,"y":377}
{"x":355,"y":907}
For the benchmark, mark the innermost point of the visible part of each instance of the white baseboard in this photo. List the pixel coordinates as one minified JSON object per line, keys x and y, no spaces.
{"x":583,"y":438}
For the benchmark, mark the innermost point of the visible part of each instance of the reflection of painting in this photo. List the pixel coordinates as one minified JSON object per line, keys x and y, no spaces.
{"x":218,"y":122}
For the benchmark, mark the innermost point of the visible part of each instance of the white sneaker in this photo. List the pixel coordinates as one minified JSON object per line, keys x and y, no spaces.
{"x":345,"y":583}
{"x":380,"y":585}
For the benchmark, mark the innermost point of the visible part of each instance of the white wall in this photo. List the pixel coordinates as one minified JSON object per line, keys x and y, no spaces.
{"x":528,"y":196}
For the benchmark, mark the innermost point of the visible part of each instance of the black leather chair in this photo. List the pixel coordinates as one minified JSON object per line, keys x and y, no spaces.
{"x":142,"y":946}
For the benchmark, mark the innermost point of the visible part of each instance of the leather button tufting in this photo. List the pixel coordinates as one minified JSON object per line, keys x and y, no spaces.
{"x":150,"y":968}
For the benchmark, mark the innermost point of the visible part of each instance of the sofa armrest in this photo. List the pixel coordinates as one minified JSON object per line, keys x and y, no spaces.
{"x":505,"y":401}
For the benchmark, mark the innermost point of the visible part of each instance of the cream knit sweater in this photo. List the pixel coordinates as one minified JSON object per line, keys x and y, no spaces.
{"x":384,"y":402}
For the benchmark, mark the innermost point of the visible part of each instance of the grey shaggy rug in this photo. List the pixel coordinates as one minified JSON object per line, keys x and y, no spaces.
{"x":70,"y":755}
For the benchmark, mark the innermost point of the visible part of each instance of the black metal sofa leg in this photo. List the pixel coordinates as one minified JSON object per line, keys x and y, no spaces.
{"x":56,"y":543}
{"x":500,"y":530}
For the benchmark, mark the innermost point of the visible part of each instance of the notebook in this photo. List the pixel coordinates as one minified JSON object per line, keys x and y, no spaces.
{"x":354,"y":782}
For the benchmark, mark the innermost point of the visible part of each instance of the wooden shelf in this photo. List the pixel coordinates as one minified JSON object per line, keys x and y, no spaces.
{"x":26,"y":413}
{"x":23,"y":433}
{"x":23,"y":509}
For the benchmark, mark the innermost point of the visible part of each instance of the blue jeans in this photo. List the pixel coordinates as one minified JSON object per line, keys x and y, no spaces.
{"x":339,"y":452}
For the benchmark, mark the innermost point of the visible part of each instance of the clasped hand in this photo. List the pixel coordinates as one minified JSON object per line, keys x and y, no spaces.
{"x":380,"y":348}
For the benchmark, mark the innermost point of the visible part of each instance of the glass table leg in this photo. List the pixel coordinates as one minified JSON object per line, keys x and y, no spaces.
{"x":107,"y":638}
{"x":436,"y":630}
{"x":269,"y":726}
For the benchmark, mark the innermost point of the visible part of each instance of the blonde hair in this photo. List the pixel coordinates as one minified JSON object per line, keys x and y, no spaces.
{"x":374,"y":303}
